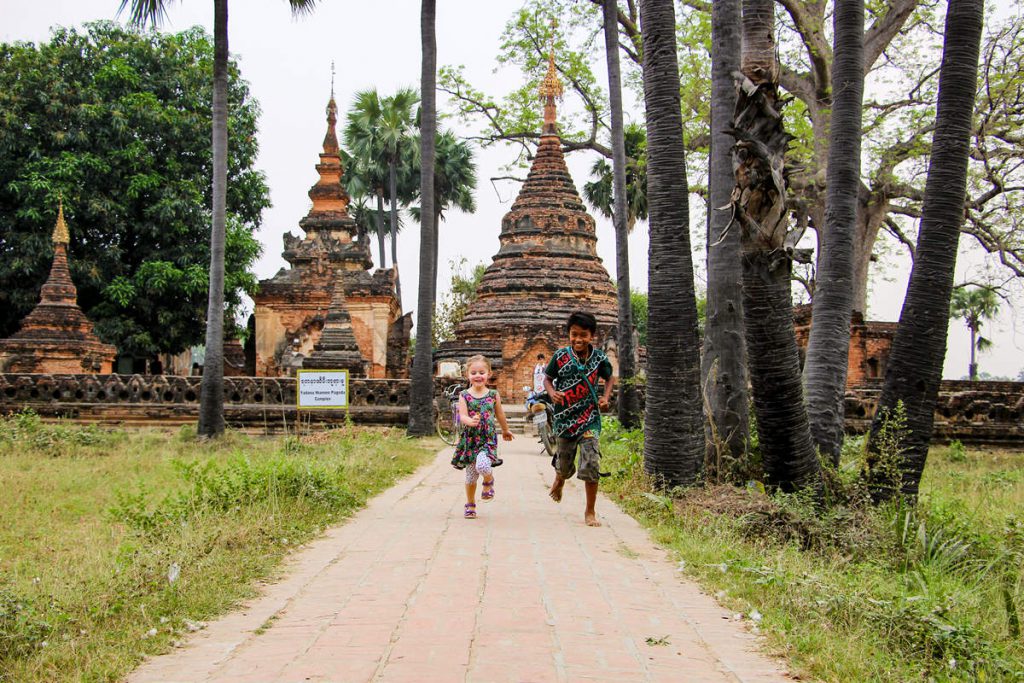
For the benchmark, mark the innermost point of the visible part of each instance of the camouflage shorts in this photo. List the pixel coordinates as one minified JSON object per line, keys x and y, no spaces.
{"x":589,"y":457}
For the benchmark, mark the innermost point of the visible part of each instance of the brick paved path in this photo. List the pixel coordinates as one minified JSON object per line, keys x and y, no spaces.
{"x":408,"y":590}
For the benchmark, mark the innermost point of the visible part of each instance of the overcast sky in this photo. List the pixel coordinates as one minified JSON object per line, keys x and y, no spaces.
{"x":287,"y":62}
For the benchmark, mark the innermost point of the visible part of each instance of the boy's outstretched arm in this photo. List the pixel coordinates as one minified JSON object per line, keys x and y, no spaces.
{"x":506,"y":433}
{"x":609,"y":385}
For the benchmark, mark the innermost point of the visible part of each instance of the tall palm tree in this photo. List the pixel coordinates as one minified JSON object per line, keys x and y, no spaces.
{"x":364,"y":179}
{"x":421,"y":394}
{"x":975,"y":306}
{"x":673,"y":422}
{"x":211,"y":401}
{"x":828,"y":350}
{"x":376,"y":132}
{"x":918,"y":349}
{"x":767,"y":245}
{"x":599,"y":191}
{"x":724,"y":361}
{"x":454,"y":179}
{"x":629,"y":400}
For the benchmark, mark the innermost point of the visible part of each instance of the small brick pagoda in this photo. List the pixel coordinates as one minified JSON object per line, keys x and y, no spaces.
{"x":56,"y":337}
{"x":546,"y":268}
{"x":293,"y":307}
{"x":870,"y":344}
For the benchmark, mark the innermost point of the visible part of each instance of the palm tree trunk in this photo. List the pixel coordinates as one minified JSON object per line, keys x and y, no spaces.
{"x":380,"y":226}
{"x":919,"y":347}
{"x":393,"y":182}
{"x":421,"y":399}
{"x":828,"y":350}
{"x":673,"y":421}
{"x":211,"y":401}
{"x":773,"y":361}
{"x":629,"y":399}
{"x":724,"y":362}
{"x":437,"y":238}
{"x":972,"y":367}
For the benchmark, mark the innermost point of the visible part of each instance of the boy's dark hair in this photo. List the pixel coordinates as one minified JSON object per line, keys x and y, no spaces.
{"x":540,"y":356}
{"x":584,"y":320}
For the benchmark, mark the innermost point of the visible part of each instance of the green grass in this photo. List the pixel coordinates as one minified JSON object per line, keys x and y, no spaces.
{"x":116,"y":544}
{"x":851,"y":592}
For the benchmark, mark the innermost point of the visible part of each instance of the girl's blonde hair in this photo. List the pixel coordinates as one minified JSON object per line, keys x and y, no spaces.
{"x":476,"y":359}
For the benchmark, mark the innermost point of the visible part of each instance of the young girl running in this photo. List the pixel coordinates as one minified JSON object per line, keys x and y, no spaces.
{"x":477,"y":450}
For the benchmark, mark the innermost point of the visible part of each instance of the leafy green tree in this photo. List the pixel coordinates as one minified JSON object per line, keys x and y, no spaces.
{"x":211,"y":401}
{"x":117,"y":123}
{"x":975,"y":305}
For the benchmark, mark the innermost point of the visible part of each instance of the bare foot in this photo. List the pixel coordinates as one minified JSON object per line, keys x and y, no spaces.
{"x":556,"y":489}
{"x":591,"y":519}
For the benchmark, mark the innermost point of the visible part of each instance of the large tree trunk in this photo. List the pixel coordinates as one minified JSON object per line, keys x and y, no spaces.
{"x":421,"y":408}
{"x":828,"y":350}
{"x":919,"y":348}
{"x":211,"y":398}
{"x":393,"y":183}
{"x":724,"y":364}
{"x":380,"y":226}
{"x":871,"y":212}
{"x":760,"y":207}
{"x":673,"y":421}
{"x":629,"y":400}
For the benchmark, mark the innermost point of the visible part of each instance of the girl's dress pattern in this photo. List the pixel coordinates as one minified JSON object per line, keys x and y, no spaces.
{"x":484,"y":437}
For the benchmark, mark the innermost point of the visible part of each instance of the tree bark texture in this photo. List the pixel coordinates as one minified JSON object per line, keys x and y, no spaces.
{"x":724,"y":363}
{"x":380,"y":227}
{"x":789,"y":459}
{"x":919,"y":348}
{"x":211,"y":408}
{"x":828,"y":350}
{"x":393,"y":182}
{"x":421,"y":391}
{"x":629,"y":399}
{"x":788,"y":456}
{"x":673,"y":420}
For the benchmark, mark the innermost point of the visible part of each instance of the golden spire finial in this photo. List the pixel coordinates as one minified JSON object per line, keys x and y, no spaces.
{"x":551,"y":87}
{"x":60,"y":231}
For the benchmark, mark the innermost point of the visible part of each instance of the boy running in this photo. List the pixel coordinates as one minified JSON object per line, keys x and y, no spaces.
{"x":571,"y":380}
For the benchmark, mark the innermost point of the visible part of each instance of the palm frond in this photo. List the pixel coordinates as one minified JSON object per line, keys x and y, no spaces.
{"x":143,"y":12}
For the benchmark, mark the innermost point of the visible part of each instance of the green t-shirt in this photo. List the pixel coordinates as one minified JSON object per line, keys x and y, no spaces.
{"x":578,"y":379}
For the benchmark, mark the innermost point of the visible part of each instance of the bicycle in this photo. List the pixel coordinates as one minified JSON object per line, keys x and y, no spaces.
{"x":448,"y":425}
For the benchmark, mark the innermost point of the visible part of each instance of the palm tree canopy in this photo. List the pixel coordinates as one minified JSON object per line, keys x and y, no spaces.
{"x":455,"y":176}
{"x":154,"y":12}
{"x":974,"y":306}
{"x":598,"y":192}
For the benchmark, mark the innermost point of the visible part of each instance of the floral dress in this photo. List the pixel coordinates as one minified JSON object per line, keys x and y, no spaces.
{"x":483,"y":437}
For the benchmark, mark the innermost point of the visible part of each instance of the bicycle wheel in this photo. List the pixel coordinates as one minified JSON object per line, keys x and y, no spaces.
{"x":446,"y":427}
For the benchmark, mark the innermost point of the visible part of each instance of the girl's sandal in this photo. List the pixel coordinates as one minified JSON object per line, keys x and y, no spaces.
{"x":488,"y":492}
{"x":470,"y":511}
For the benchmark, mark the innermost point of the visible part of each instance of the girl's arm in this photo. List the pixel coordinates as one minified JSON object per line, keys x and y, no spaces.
{"x":506,"y":433}
{"x":464,"y":413}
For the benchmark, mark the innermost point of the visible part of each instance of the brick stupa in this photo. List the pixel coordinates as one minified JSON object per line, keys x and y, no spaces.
{"x":57,"y":337}
{"x":546,"y":268}
{"x":293,"y":307}
{"x":337,"y":348}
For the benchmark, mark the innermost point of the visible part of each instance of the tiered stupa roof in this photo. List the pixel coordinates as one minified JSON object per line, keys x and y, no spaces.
{"x":337,"y":348}
{"x":57,"y":336}
{"x":547,"y":265}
